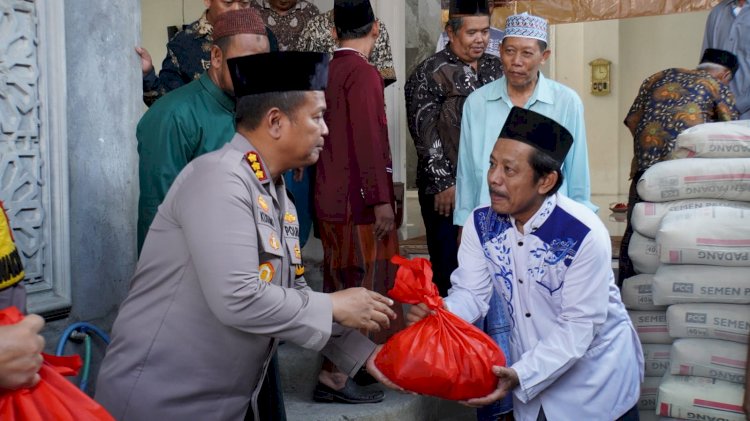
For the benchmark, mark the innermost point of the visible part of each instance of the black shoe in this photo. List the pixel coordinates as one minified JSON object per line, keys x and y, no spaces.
{"x":351,"y":393}
{"x":363,"y":378}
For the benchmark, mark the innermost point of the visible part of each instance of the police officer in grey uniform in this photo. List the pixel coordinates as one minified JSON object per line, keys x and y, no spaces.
{"x":220,"y":278}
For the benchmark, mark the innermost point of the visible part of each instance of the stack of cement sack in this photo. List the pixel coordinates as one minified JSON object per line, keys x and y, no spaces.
{"x":650,"y":321}
{"x":692,"y":242}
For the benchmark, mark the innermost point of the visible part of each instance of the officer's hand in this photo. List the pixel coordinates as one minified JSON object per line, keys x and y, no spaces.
{"x":20,"y":353}
{"x":445,"y":201}
{"x":508,"y":380}
{"x":383,"y":219}
{"x":147,"y":64}
{"x":360,"y":308}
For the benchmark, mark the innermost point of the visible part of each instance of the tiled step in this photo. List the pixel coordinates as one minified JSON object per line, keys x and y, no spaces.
{"x":299,"y":373}
{"x":299,"y":369}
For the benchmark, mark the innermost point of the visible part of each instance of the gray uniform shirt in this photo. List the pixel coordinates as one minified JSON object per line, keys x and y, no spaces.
{"x":217,"y":285}
{"x":726,"y":31}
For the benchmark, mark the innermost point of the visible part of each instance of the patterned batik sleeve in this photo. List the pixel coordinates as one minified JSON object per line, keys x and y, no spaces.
{"x":155,"y":87}
{"x":636,"y":110}
{"x":726,"y":109}
{"x":424,"y":97}
{"x":382,"y":57}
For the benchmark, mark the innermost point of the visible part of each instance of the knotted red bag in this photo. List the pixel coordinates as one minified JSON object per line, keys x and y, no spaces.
{"x":54,"y":397}
{"x":441,"y":355}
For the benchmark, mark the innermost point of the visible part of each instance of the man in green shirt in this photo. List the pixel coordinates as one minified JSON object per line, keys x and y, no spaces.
{"x":196,"y":118}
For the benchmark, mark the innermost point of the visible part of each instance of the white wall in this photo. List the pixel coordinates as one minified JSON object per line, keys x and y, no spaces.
{"x":638,"y":48}
{"x":157,"y":15}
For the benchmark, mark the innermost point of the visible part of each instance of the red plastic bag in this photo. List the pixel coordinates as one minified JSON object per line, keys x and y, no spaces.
{"x":52,"y":399}
{"x":442,"y":355}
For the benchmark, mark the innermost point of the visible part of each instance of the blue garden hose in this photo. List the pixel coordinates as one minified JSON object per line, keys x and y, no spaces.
{"x":77,"y":331}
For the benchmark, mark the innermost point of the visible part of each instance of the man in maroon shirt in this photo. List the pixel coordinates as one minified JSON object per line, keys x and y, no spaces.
{"x":354,"y":182}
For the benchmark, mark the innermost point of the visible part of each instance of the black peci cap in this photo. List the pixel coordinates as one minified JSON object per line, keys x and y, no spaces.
{"x":280,"y":71}
{"x":722,"y":58}
{"x":352,"y":14}
{"x":460,"y":8}
{"x":538,"y":131}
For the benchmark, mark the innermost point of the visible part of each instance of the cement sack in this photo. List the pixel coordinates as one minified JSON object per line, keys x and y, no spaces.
{"x":651,"y":326}
{"x":730,"y":322}
{"x":712,"y":358}
{"x":649,"y":390}
{"x":708,"y":236}
{"x":637,"y":293}
{"x":674,"y":284}
{"x":648,"y":415}
{"x":696,"y":178}
{"x":651,"y":415}
{"x":725,"y":139}
{"x":656,"y":359}
{"x":643,"y":254}
{"x":700,"y":398}
{"x":647,"y":216}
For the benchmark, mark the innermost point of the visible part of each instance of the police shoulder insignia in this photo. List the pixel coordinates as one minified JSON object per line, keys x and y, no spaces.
{"x":262,"y":203}
{"x":299,"y":270}
{"x":297,"y":251}
{"x":254,"y":160}
{"x":274,"y":242}
{"x":266,"y":272}
{"x":288,"y":217}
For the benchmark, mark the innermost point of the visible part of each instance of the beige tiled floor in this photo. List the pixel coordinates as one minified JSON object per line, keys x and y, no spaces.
{"x":615,"y":222}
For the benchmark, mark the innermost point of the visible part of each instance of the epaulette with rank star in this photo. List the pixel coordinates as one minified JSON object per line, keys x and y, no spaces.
{"x":299,"y":271}
{"x":254,"y":160}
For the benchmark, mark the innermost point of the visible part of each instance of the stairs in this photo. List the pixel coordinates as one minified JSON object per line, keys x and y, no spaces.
{"x":299,"y":371}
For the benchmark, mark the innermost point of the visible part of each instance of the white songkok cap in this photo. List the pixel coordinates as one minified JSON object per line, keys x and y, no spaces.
{"x":525,"y":25}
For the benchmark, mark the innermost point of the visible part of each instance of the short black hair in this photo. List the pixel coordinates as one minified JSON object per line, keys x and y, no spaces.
{"x":252,"y":108}
{"x":346,"y":34}
{"x":542,"y":164}
{"x":454,"y":24}
{"x":223,"y":43}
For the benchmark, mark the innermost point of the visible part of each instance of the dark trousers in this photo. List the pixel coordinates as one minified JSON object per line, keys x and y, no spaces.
{"x":442,"y":242}
{"x":271,"y":397}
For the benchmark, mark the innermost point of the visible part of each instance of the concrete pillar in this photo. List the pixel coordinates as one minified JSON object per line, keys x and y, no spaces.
{"x":103,"y":107}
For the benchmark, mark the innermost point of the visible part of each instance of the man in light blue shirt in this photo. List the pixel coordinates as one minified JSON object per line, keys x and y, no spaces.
{"x":523,"y":51}
{"x":727,"y":29}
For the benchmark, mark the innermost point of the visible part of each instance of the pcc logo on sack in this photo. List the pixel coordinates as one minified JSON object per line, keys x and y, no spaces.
{"x":670,"y":194}
{"x":695,"y":318}
{"x":644,"y":289}
{"x":683,"y":287}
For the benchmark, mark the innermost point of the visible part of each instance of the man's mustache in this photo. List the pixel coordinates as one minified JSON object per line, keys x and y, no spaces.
{"x":498,"y":193}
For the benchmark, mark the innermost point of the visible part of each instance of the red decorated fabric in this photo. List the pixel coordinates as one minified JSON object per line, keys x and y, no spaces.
{"x":441,"y":355}
{"x":54,"y":398}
